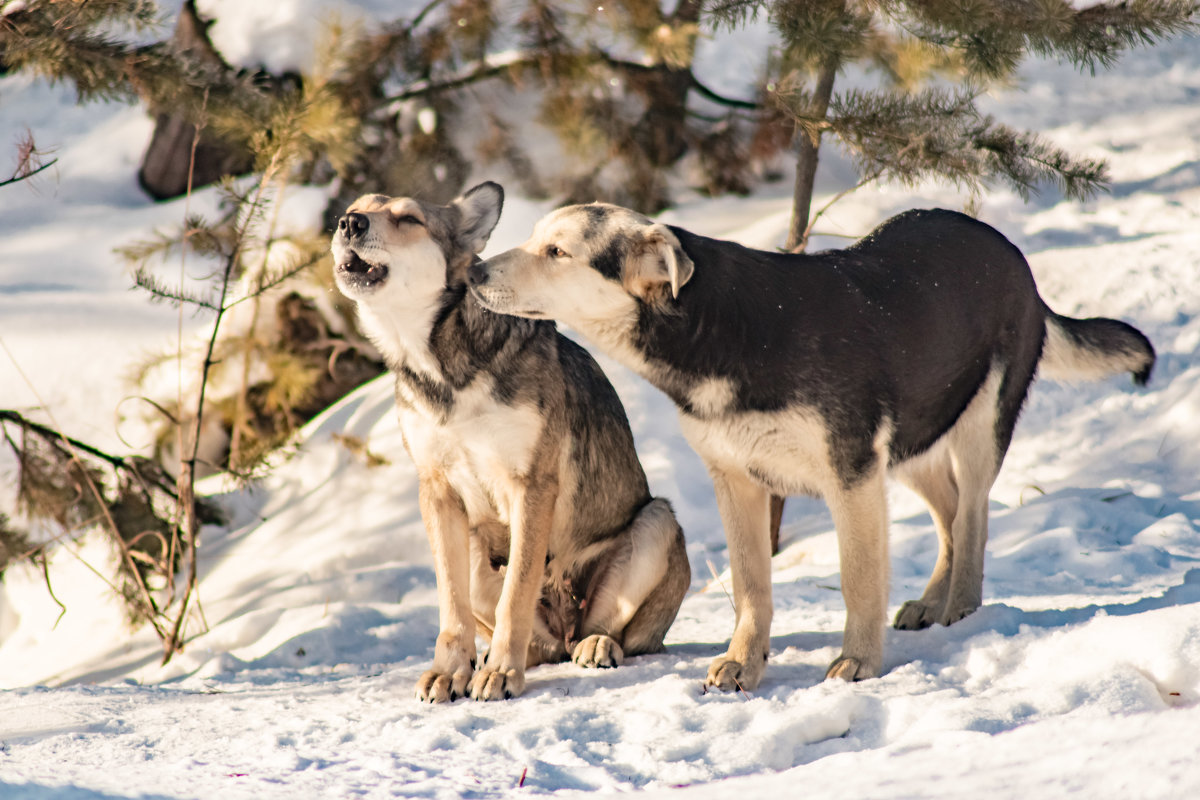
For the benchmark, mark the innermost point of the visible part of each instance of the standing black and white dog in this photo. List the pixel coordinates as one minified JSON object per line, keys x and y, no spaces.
{"x":544,"y":534}
{"x":909,"y":353}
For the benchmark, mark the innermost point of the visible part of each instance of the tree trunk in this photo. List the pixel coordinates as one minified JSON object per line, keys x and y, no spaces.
{"x":802,"y":192}
{"x":806,"y":161}
{"x":168,"y":161}
{"x":662,"y":128}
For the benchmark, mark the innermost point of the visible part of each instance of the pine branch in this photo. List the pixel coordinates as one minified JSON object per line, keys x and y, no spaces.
{"x":1098,"y":34}
{"x":735,"y":14}
{"x":278,"y":278}
{"x":479,"y":72}
{"x":940,"y":134}
{"x":995,"y":36}
{"x":174,"y":295}
{"x":1024,"y":161}
{"x":125,"y":464}
{"x":88,"y":503}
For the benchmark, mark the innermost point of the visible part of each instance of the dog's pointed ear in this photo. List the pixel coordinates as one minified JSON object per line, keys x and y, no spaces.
{"x":658,"y":263}
{"x":480,"y":209}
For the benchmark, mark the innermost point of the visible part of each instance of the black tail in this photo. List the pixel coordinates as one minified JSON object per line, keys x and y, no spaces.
{"x":1094,"y":348}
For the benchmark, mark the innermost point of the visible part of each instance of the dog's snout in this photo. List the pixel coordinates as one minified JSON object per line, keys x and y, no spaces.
{"x":353,"y":224}
{"x":477,"y":275}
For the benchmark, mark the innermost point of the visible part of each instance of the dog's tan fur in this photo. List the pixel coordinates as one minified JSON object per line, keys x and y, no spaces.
{"x":546,"y":555}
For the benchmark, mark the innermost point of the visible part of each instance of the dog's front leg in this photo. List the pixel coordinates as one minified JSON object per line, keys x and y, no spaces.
{"x":860,"y":518}
{"x":503,"y":673}
{"x":745,"y":511}
{"x":454,"y":655}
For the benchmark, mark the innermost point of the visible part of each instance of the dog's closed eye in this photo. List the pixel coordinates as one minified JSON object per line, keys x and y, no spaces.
{"x":406,"y":219}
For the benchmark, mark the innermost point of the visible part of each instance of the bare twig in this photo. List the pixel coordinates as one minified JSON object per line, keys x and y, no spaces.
{"x":717,"y":577}
{"x":187,"y":523}
{"x":816,"y":216}
{"x":29,"y":160}
{"x":149,"y":606}
{"x":19,"y":176}
{"x":424,"y":12}
{"x":62,"y":609}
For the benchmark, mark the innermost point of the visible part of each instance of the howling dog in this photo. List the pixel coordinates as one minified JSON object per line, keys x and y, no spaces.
{"x":909,"y":353}
{"x":545,"y":537}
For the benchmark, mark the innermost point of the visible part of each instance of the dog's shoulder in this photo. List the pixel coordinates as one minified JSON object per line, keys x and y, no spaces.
{"x":466,"y":343}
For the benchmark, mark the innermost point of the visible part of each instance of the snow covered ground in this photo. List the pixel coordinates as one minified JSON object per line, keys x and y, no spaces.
{"x":1080,"y":674}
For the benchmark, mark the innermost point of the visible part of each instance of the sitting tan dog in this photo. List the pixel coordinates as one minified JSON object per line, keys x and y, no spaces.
{"x":545,"y":537}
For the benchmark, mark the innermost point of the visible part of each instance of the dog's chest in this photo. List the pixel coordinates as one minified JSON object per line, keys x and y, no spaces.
{"x":786,"y":451}
{"x":481,"y":446}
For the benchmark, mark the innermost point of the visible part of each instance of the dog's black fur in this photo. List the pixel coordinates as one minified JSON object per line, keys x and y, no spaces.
{"x":860,"y":334}
{"x":793,"y":372}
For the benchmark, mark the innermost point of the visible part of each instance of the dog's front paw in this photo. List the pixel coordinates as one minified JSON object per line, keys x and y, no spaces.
{"x":730,"y":675}
{"x":915,"y":616}
{"x":497,"y":684}
{"x":441,"y":687}
{"x":598,"y":650}
{"x":849,"y":668}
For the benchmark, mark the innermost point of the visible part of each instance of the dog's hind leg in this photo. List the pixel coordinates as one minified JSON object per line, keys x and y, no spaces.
{"x":645,"y":631}
{"x":933,"y":480}
{"x":745,"y":511}
{"x":487,"y":582}
{"x":637,"y":591}
{"x":860,"y":517}
{"x":976,"y":456}
{"x":969,"y":535}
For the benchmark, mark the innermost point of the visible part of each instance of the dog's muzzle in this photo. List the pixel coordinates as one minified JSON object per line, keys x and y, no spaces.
{"x":477,"y":274}
{"x":355,"y":273}
{"x":353,"y":225}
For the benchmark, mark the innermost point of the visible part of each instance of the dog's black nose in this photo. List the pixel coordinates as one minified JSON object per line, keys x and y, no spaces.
{"x":353,"y":224}
{"x":477,"y":275}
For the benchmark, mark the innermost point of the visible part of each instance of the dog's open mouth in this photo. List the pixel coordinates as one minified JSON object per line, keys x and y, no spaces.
{"x":360,"y":274}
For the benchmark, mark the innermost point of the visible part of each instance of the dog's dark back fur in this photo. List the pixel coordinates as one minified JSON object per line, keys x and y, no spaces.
{"x":847,"y":320}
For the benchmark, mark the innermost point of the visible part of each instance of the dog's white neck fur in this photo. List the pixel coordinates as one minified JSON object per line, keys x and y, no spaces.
{"x":398,"y":316}
{"x":613,"y":335}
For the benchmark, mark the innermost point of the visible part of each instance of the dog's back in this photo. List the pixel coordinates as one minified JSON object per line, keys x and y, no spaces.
{"x":914,"y":316}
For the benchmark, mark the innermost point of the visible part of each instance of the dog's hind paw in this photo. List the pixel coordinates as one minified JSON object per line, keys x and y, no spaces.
{"x":849,"y":669}
{"x":954,"y":614}
{"x":598,"y":650}
{"x":495,"y":684}
{"x":439,"y":687}
{"x":915,"y":616}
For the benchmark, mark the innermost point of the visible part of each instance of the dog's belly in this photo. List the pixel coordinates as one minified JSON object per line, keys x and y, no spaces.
{"x":785,"y":451}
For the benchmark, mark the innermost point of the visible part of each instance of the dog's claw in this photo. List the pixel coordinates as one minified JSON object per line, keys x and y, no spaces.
{"x":914,"y":616}
{"x":954,"y":614}
{"x":598,"y":650}
{"x":729,"y":675}
{"x":494,"y":684}
{"x":438,"y":687}
{"x":849,"y":669}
